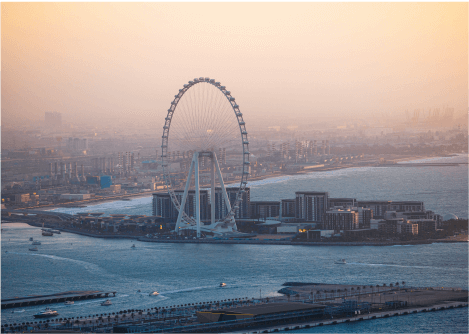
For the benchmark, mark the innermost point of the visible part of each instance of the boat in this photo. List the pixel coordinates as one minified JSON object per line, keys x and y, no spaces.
{"x":222,"y":285}
{"x":47,"y":233}
{"x":106,"y":303}
{"x":34,"y":249}
{"x":133,"y":246}
{"x":36,"y":243}
{"x":18,"y":311}
{"x":342,"y":261}
{"x":139,"y":290}
{"x":69,"y":302}
{"x":154,"y":293}
{"x":47,"y":313}
{"x":31,"y":239}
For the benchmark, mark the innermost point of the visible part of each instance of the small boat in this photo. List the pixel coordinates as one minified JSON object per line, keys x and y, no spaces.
{"x":34,"y":249}
{"x":133,"y":246}
{"x":154,"y":293}
{"x":222,"y":285}
{"x":18,"y":311}
{"x":342,"y":261}
{"x":106,"y":303}
{"x":31,"y":239}
{"x":69,"y":302}
{"x":47,"y":233}
{"x":139,"y":290}
{"x":36,"y":243}
{"x":47,"y":313}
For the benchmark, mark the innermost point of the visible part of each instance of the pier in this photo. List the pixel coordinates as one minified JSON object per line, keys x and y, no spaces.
{"x":54,"y":298}
{"x":303,"y":305}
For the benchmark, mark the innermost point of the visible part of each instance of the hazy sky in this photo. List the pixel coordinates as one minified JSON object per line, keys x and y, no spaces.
{"x":126,"y":61}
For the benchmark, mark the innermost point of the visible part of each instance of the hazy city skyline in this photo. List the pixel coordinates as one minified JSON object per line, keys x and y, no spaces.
{"x":117,"y":62}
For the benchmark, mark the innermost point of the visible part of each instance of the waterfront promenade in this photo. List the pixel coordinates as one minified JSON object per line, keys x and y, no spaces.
{"x":340,"y":303}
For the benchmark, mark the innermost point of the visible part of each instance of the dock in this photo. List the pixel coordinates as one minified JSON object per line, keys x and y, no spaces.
{"x":62,"y":297}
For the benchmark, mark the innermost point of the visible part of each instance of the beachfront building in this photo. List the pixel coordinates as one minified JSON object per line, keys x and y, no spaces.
{"x":380,"y":207}
{"x":311,"y":205}
{"x":342,"y":202}
{"x":341,"y":219}
{"x":163,"y":207}
{"x":244,"y":205}
{"x":287,"y":208}
{"x":264,"y":209}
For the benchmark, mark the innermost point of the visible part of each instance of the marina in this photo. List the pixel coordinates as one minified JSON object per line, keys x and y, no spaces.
{"x":314,"y":305}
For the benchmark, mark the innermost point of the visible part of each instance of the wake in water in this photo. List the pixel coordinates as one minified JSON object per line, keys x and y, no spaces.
{"x":189,"y":289}
{"x":88,"y":266}
{"x":401,"y":266}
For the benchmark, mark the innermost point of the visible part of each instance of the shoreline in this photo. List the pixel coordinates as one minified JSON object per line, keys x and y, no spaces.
{"x":252,"y":242}
{"x":98,"y":201}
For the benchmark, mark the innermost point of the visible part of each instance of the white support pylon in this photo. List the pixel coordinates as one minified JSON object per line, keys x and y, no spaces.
{"x":212,"y":190}
{"x":215,"y":168}
{"x":197,"y":193}
{"x":184,"y":197}
{"x":222,"y":184}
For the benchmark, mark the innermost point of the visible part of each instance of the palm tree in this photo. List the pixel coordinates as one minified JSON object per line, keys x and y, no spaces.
{"x":377,"y":285}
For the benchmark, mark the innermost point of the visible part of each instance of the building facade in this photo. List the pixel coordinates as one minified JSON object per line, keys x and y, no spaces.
{"x":264,"y":209}
{"x":342,"y":202}
{"x":380,"y":207}
{"x":220,"y":206}
{"x":339,"y":219}
{"x":311,"y":205}
{"x":287,"y":208}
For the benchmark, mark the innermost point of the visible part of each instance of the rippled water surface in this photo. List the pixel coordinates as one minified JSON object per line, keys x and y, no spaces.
{"x":184,"y":273}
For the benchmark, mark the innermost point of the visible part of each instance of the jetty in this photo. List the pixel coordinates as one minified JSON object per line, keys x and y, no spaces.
{"x":62,"y":297}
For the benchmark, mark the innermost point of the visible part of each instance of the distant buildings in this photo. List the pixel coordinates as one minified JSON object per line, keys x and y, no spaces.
{"x":329,"y":214}
{"x":380,"y":207}
{"x":77,"y":144}
{"x":52,"y":119}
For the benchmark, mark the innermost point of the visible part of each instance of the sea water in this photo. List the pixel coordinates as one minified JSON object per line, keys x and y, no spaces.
{"x":189,"y":273}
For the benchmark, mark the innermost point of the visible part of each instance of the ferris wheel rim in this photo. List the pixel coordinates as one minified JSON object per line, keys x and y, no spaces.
{"x":244,"y":142}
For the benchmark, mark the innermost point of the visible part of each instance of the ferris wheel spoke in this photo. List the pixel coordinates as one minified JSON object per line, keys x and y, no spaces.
{"x":203,"y":118}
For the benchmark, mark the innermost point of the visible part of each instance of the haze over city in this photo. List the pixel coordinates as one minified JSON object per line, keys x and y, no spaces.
{"x":234,"y":167}
{"x":115,"y":63}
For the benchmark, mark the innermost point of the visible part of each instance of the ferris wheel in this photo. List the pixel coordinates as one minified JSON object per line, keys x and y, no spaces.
{"x":204,"y":128}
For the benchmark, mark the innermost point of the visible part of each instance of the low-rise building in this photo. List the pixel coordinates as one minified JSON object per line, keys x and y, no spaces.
{"x":318,"y":234}
{"x":341,"y":219}
{"x":264,"y":209}
{"x":424,"y":225}
{"x":74,"y":197}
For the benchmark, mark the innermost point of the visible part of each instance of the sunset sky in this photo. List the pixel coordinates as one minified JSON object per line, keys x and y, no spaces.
{"x":126,"y":61}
